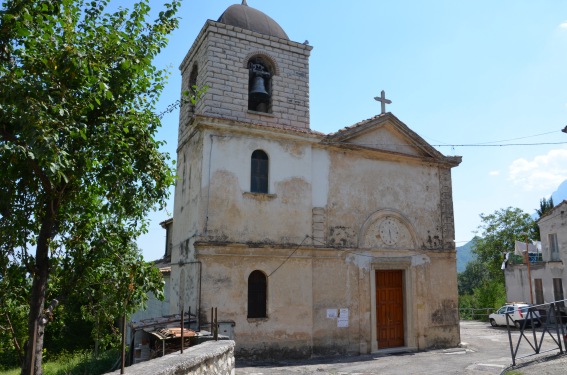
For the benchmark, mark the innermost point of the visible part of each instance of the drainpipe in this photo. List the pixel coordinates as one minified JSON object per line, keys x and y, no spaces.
{"x":209,"y":185}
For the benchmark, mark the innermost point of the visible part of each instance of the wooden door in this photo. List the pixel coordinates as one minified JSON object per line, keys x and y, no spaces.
{"x":389,"y":308}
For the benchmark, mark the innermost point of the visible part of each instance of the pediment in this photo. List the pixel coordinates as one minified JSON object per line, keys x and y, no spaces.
{"x":386,"y":133}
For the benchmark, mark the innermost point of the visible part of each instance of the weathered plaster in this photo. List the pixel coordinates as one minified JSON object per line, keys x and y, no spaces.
{"x":239,"y":232}
{"x":316,"y":233}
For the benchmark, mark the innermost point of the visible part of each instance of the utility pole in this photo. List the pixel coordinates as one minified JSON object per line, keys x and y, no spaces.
{"x":527,"y":260}
{"x":529,"y":271}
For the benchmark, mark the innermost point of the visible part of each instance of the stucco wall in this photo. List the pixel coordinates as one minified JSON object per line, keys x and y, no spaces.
{"x":361,"y":186}
{"x":349,"y":187}
{"x":518,"y":287}
{"x":320,"y":222}
{"x":234,"y":213}
{"x":554,"y":222}
{"x":315,"y":280}
{"x":188,"y":217}
{"x":287,"y":329}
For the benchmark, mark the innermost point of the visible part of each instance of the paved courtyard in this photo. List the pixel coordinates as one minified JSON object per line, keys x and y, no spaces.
{"x":485,"y":350}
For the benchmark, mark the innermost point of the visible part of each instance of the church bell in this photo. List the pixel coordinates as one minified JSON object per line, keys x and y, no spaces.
{"x":258,"y":90}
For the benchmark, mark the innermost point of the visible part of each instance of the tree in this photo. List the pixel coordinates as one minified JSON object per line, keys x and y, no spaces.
{"x":14,"y":293}
{"x":80,"y":165}
{"x":545,"y":205}
{"x":497,"y":233}
{"x":471,"y":278}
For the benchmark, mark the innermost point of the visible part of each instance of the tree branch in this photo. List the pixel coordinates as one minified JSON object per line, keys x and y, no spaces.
{"x":14,"y":337}
{"x":36,"y":168}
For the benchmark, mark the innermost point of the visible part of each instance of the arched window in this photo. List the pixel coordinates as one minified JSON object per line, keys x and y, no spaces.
{"x":259,"y":85}
{"x":257,"y":293}
{"x":193,"y":83}
{"x":193,"y":78}
{"x":259,"y":172}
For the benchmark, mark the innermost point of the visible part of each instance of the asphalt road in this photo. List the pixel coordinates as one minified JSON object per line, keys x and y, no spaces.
{"x":484,"y":350}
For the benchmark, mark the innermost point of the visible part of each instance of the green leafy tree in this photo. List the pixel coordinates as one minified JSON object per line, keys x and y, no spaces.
{"x":14,"y":295}
{"x":79,"y":161}
{"x":498,"y":233}
{"x":471,"y":278}
{"x":482,"y":283}
{"x":545,"y":205}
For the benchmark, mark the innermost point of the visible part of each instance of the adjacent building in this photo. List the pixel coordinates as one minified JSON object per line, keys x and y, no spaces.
{"x":548,"y":277}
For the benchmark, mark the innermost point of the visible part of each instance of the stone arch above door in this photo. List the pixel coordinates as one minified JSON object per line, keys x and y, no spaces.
{"x":387,"y":229}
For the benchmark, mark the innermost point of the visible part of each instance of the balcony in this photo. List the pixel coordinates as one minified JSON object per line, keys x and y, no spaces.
{"x":535,"y":258}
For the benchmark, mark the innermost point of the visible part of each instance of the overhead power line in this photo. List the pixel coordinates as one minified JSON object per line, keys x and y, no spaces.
{"x":503,"y":144}
{"x":459,"y":145}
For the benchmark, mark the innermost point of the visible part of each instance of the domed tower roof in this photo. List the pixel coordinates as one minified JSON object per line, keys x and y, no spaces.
{"x":252,"y":19}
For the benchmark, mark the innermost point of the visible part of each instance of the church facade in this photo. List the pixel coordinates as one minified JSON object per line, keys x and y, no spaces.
{"x":308,"y":243}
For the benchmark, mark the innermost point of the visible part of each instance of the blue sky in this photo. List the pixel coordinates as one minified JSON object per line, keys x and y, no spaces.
{"x":468,"y":76}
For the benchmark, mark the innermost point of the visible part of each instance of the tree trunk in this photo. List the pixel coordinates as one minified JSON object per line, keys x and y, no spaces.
{"x":37,"y":319}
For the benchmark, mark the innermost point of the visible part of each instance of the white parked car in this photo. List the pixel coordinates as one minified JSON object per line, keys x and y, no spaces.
{"x":518,"y":312}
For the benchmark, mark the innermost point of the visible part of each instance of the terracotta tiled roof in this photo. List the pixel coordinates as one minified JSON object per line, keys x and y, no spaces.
{"x":358,"y":124}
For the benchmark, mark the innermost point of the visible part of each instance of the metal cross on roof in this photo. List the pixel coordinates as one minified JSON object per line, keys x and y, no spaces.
{"x":382,"y":99}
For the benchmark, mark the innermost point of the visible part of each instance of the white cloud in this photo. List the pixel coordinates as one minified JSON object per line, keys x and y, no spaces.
{"x":494,"y":173}
{"x":563,"y":25}
{"x":544,"y":172}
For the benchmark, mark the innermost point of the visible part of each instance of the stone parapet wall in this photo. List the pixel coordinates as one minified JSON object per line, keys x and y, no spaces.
{"x":208,"y":358}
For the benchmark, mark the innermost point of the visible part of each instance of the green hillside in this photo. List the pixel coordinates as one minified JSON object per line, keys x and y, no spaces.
{"x":465,"y":255}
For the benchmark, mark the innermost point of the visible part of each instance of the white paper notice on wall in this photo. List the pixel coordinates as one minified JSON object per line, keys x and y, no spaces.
{"x":342,"y":322}
{"x":332,"y":313}
{"x":343,"y":313}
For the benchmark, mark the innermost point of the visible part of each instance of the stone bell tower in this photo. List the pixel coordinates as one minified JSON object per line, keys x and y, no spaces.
{"x":254,"y":73}
{"x":258,"y":86}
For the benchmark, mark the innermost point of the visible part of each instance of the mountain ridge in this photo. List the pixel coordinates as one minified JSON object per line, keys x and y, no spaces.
{"x":560,"y":194}
{"x":465,"y":255}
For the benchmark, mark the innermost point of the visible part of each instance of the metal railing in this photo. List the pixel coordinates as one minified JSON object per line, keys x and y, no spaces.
{"x":551,"y":321}
{"x":518,"y":259}
{"x":471,"y":313}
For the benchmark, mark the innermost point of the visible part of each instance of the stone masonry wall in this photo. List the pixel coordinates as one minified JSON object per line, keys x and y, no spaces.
{"x":221,"y":53}
{"x":447,"y":214}
{"x":208,"y":358}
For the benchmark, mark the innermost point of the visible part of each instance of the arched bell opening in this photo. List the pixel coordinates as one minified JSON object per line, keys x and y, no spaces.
{"x":260,"y":85}
{"x":192,"y":89}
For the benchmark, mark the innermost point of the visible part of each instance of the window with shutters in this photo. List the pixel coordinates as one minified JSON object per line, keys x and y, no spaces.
{"x":257,"y":293}
{"x":259,"y":172}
